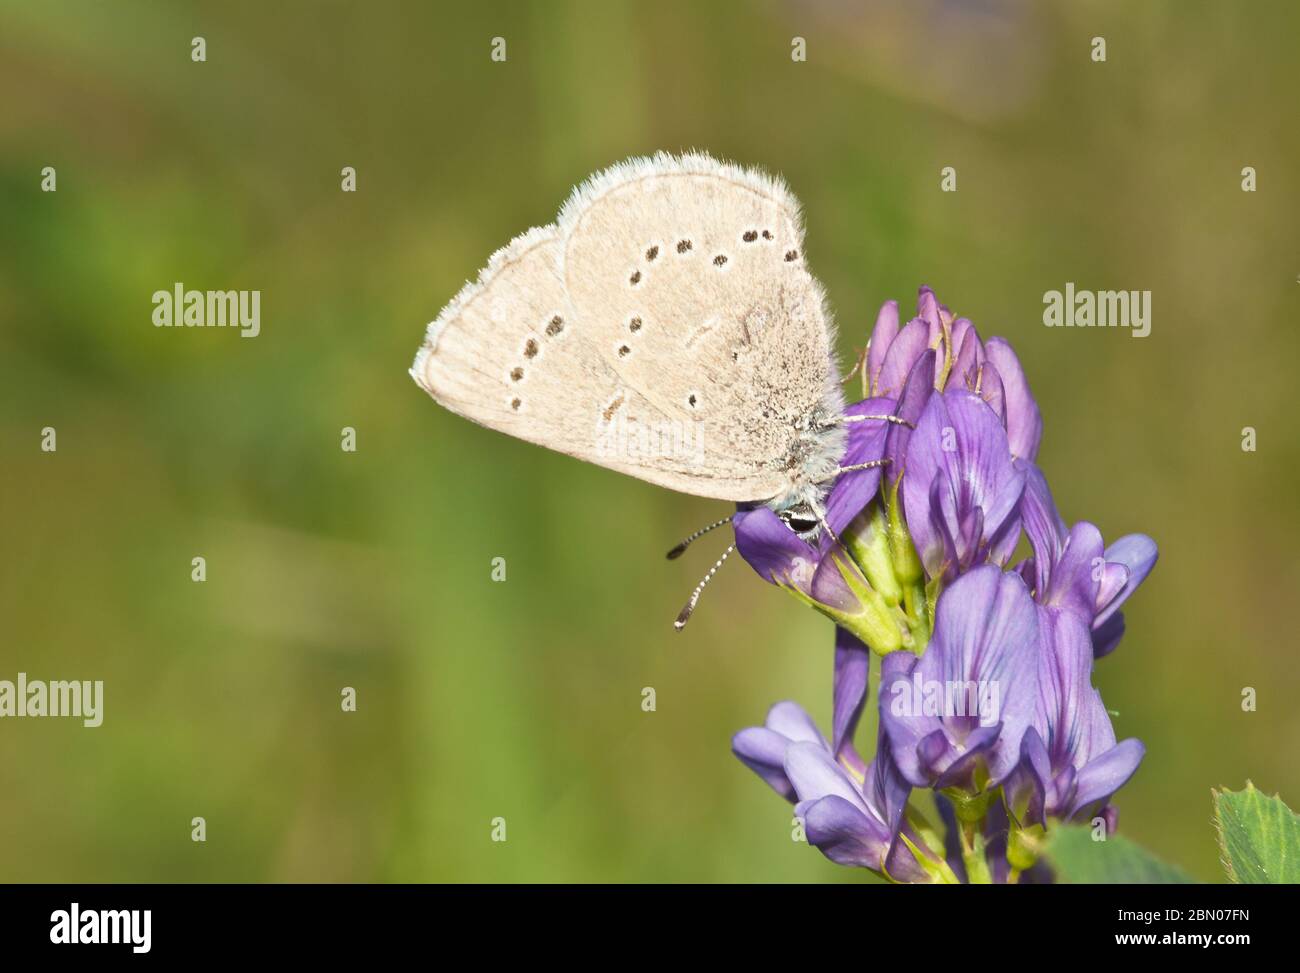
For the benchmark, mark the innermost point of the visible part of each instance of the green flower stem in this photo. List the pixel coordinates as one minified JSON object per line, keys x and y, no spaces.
{"x":970,"y":810}
{"x":972,"y":854}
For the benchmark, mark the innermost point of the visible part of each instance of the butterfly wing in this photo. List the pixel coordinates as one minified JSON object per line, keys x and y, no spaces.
{"x":667,"y":327}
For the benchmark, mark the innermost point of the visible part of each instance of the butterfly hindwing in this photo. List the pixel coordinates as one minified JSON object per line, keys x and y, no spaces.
{"x":692,"y":273}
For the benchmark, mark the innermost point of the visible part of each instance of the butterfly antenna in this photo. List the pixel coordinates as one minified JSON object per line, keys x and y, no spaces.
{"x":853,"y":468}
{"x":871,"y":465}
{"x":685,"y":615}
{"x":677,"y":551}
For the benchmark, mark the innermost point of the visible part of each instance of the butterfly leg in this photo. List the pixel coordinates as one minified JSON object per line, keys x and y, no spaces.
{"x":839,"y":471}
{"x":896,"y":420}
{"x":818,"y":511}
{"x":859,"y":368}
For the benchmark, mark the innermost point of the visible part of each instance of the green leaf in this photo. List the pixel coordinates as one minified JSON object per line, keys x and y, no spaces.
{"x":1259,"y":837}
{"x":1079,"y":860}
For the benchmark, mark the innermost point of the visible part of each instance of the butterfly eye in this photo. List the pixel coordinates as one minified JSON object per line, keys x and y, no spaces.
{"x":798,"y":522}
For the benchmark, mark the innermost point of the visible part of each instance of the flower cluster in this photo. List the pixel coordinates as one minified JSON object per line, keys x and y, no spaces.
{"x":986,"y":695}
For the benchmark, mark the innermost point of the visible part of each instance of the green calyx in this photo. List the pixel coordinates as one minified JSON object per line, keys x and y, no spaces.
{"x":878,"y":563}
{"x":1024,"y":846}
{"x":867,"y":541}
{"x":973,"y":856}
{"x":970,"y":808}
{"x":937,"y":869}
{"x":873,"y":621}
{"x":906,"y":562}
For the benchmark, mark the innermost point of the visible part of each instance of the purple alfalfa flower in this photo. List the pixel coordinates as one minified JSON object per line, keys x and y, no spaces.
{"x":961,"y":487}
{"x":955,"y":716}
{"x":1070,"y":763}
{"x":762,"y":748}
{"x":902,"y":370}
{"x":903,"y":367}
{"x":990,"y":369}
{"x":854,"y":813}
{"x":1073,"y":569}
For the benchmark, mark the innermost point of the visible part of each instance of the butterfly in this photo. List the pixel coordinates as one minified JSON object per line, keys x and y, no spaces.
{"x":665,"y":326}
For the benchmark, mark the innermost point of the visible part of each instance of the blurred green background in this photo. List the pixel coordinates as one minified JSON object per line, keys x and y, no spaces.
{"x":372,"y":569}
